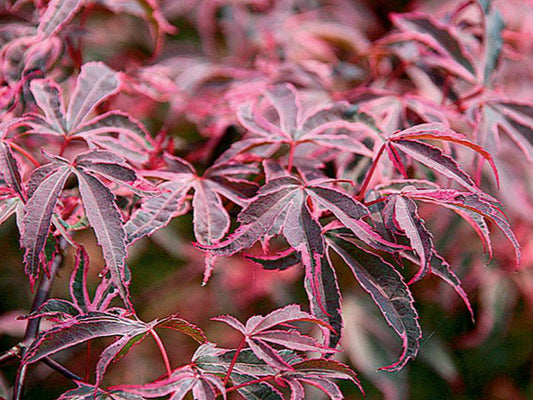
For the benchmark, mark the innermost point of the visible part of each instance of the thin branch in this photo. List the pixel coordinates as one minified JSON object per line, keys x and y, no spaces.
{"x":61,"y":369}
{"x":32,"y":328}
{"x":43,"y":291}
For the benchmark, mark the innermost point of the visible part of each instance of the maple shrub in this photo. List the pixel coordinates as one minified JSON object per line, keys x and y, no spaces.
{"x":306,"y":145}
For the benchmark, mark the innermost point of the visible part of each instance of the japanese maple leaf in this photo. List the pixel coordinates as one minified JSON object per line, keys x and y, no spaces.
{"x":259,"y":335}
{"x":474,"y":208}
{"x":471,"y":55}
{"x":251,"y":373}
{"x":186,"y":379}
{"x":408,"y":142}
{"x":44,"y":189}
{"x":400,"y":215}
{"x":96,"y":324}
{"x":387,"y":288}
{"x":85,"y":391}
{"x":282,"y":207}
{"x":95,"y":84}
{"x":80,"y":302}
{"x":210,"y":219}
{"x":277,"y":119}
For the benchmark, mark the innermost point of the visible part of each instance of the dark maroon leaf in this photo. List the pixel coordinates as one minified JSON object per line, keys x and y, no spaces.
{"x":10,"y":169}
{"x":390,"y":293}
{"x":80,"y":329}
{"x":469,"y":203}
{"x":37,"y":217}
{"x":104,"y":217}
{"x":434,"y":158}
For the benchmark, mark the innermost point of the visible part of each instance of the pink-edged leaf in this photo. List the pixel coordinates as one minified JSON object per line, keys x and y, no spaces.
{"x":182,"y":380}
{"x":57,"y":14}
{"x":437,"y":35}
{"x":258,"y":217}
{"x":78,"y":280}
{"x":118,"y":349}
{"x":157,"y":211}
{"x":38,"y":175}
{"x":434,"y":158}
{"x":78,"y":330}
{"x":349,"y":212}
{"x":471,"y":202}
{"x":328,"y":368}
{"x":8,"y":207}
{"x":286,"y":101}
{"x":407,"y":220}
{"x":245,"y":116}
{"x":438,"y":131}
{"x":183,"y":326}
{"x":291,"y":340}
{"x":303,"y":231}
{"x":95,"y":84}
{"x":85,"y":391}
{"x":280,"y":261}
{"x":324,"y":296}
{"x":330,"y":388}
{"x":320,"y":374}
{"x":268,"y":354}
{"x":37,"y":217}
{"x":56,"y":309}
{"x":478,"y":223}
{"x":441,"y":268}
{"x":105,"y":219}
{"x":106,"y":164}
{"x":211,"y":220}
{"x":49,"y":98}
{"x":343,"y":143}
{"x":119,"y":122}
{"x":258,"y":331}
{"x":10,"y":169}
{"x":214,"y":360}
{"x":231,"y":321}
{"x":390,"y":293}
{"x":287,"y":314}
{"x":259,"y":390}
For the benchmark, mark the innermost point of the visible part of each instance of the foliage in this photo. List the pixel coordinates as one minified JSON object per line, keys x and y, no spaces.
{"x":295,"y":137}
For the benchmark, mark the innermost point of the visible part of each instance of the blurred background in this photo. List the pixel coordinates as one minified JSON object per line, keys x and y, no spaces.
{"x":325,"y":49}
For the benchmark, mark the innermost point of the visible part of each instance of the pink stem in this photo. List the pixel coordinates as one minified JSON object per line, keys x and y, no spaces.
{"x":16,"y":147}
{"x":370,"y":173}
{"x":234,"y":361}
{"x":163,"y":351}
{"x":291,"y":157}
{"x":258,"y":380}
